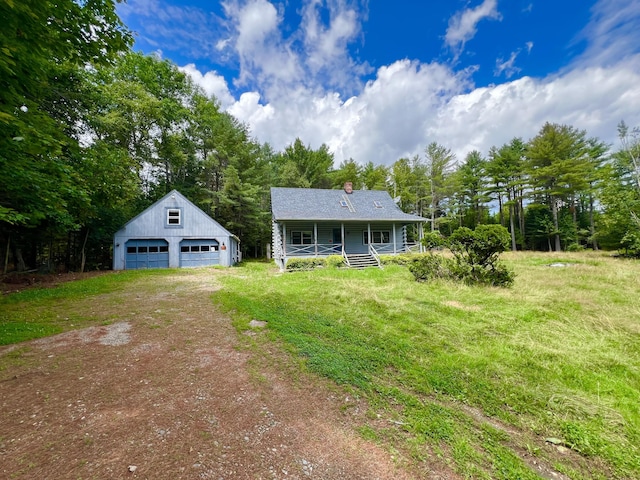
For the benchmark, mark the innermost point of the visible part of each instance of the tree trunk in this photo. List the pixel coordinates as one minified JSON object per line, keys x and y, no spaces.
{"x":512,"y":209}
{"x":500,"y":209}
{"x":83,"y":254}
{"x":554,"y":212}
{"x":6,"y":256}
{"x":20,"y":265}
{"x":592,"y":224}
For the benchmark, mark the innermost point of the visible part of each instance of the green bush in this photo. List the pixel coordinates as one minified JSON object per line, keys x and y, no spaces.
{"x":334,"y":261}
{"x":403,"y":259}
{"x":430,"y":267}
{"x":305,"y":263}
{"x":433,"y":240}
{"x":476,"y":255}
{"x":630,"y":244}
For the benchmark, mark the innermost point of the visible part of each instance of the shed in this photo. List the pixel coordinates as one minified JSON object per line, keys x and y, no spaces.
{"x":359,"y":225}
{"x":173,"y":233}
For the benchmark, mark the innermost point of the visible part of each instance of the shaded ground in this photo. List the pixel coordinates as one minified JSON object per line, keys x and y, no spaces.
{"x":168,"y":392}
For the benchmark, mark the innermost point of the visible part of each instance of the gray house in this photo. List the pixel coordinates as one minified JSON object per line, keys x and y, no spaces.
{"x":360,"y":225}
{"x":173,"y":232}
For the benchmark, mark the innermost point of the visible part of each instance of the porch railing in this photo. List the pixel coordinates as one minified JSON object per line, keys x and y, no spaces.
{"x":313,"y":249}
{"x":373,"y":252}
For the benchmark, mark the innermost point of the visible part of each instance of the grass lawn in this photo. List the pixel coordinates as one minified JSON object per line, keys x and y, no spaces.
{"x":498,"y":382}
{"x":511,"y":383}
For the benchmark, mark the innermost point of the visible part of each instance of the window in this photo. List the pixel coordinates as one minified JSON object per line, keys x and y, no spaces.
{"x":377,"y":204}
{"x":153,"y":249}
{"x":343,"y":203}
{"x":377,"y":236}
{"x":301,"y":238}
{"x":173,"y":217}
{"x":184,"y":248}
{"x":164,"y":248}
{"x":142,"y":249}
{"x":131,"y":249}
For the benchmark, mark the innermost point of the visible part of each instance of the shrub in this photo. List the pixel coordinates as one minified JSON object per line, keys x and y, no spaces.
{"x":630,"y":244}
{"x":401,"y":259}
{"x":430,"y":267}
{"x":334,"y":261}
{"x":476,"y":255}
{"x":305,"y":263}
{"x":433,"y":240}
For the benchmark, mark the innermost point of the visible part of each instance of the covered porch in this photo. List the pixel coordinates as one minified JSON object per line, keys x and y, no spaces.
{"x":351,"y":240}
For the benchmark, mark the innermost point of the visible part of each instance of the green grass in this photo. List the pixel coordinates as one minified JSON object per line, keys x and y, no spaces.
{"x":41,"y":312}
{"x":557,"y":355}
{"x":476,"y":378}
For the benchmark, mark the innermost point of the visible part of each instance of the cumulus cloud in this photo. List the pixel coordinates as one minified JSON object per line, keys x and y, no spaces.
{"x":289,"y":90}
{"x":265,"y":56}
{"x":212,"y":83}
{"x":463,"y":26}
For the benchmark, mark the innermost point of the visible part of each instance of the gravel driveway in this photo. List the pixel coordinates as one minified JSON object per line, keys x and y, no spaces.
{"x":169,"y":390}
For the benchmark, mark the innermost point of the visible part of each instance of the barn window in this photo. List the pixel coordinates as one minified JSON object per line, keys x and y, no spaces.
{"x":174,"y":217}
{"x":301,"y":238}
{"x":377,"y":236}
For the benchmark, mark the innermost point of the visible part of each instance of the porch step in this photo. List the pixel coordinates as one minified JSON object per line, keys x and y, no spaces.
{"x":361,"y":260}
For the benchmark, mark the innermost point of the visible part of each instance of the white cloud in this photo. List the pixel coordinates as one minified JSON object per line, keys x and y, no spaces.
{"x":265,"y":57}
{"x":507,"y":66}
{"x":326,"y":46}
{"x":410,"y":104}
{"x":612,"y":33}
{"x":292,"y":79}
{"x":212,"y":83}
{"x":463,"y":25}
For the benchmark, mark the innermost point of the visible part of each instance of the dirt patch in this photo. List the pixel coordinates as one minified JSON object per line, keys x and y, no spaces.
{"x":167,"y":392}
{"x":16,"y":282}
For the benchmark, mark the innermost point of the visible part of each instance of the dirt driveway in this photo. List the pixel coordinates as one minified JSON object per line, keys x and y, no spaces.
{"x":170,"y":390}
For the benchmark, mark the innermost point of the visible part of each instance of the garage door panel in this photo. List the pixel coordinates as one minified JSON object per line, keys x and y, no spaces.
{"x":146,"y":253}
{"x":199,"y":253}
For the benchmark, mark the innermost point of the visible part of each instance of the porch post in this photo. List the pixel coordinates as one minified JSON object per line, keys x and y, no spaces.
{"x":315,"y":236}
{"x":284,"y":240}
{"x":369,"y":234}
{"x":342,"y":239}
{"x":421,"y":235}
{"x":394,"y":239}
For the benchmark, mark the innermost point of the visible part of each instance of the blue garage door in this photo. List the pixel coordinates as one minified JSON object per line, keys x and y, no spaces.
{"x":146,"y":254}
{"x":199,"y":253}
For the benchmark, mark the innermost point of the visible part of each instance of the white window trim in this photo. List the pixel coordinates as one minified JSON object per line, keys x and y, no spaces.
{"x":381,"y":233}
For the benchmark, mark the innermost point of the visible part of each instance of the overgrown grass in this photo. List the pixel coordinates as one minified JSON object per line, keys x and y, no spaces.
{"x":558,"y":355}
{"x":40,"y":312}
{"x":478,"y":377}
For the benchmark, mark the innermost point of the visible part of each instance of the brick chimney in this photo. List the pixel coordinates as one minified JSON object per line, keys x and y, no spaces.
{"x":348,"y":187}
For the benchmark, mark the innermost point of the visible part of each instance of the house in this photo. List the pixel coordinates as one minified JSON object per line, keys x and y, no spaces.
{"x":357,"y":224}
{"x":171,"y":233}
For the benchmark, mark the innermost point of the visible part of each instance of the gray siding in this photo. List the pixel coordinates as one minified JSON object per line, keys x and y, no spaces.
{"x":194,"y":224}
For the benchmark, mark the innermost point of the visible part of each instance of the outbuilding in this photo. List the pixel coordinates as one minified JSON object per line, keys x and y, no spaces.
{"x":173,"y":233}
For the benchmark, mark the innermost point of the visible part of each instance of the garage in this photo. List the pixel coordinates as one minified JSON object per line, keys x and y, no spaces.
{"x":199,"y":252}
{"x":146,"y":253}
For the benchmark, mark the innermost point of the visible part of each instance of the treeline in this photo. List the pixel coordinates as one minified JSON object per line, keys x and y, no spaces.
{"x":91,"y":133}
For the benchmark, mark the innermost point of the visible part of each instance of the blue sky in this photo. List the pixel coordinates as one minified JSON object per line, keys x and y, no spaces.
{"x":378,"y":80}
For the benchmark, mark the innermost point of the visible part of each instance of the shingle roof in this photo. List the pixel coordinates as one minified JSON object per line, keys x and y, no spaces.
{"x":321,"y":204}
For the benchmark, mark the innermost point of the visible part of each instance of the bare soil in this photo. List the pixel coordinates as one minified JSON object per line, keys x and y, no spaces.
{"x":170,"y":390}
